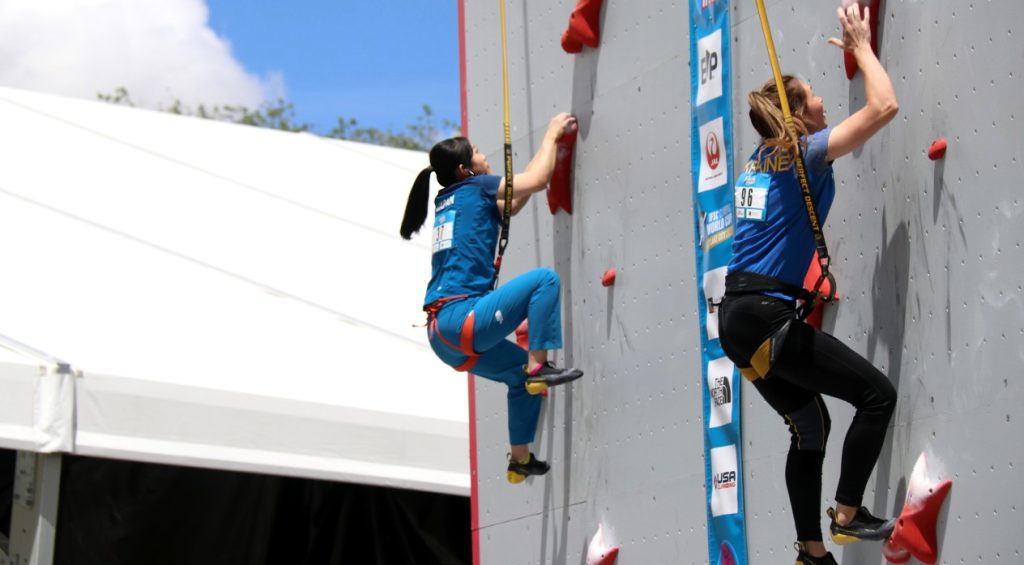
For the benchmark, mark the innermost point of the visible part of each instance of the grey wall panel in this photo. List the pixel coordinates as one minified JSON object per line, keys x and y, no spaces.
{"x":928,"y":255}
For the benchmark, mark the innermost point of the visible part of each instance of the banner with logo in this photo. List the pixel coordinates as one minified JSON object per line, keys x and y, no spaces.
{"x":711,"y":157}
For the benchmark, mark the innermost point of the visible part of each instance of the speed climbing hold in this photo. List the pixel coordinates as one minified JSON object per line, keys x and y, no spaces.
{"x":875,"y":5}
{"x":560,"y":187}
{"x":584,"y":26}
{"x":523,"y":335}
{"x":937,"y":150}
{"x":608,"y":279}
{"x":813,"y":272}
{"x":915,"y":527}
{"x":600,"y":551}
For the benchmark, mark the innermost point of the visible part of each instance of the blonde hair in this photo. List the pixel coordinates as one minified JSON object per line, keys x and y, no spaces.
{"x":766,"y":113}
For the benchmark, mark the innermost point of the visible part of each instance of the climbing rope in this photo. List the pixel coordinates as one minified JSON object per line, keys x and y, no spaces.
{"x":506,"y":216}
{"x":801,"y":171}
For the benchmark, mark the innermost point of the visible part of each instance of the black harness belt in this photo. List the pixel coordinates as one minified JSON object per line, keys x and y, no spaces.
{"x":752,"y":283}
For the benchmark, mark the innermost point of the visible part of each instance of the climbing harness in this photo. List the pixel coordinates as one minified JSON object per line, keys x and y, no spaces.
{"x":801,"y":172}
{"x":745,"y":283}
{"x":737,"y":284}
{"x":465,"y":345}
{"x":506,"y":216}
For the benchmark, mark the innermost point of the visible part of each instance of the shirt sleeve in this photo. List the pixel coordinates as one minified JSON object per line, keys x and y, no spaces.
{"x":489,"y":186}
{"x":816,"y":157}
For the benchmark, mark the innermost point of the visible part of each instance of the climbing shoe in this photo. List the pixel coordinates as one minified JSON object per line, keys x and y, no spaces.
{"x":804,"y":558}
{"x":517,"y":472}
{"x":547,"y":375}
{"x":863,"y":526}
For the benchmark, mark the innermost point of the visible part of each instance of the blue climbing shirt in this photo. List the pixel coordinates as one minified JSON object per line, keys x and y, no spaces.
{"x":773,"y":235}
{"x":466,"y":228}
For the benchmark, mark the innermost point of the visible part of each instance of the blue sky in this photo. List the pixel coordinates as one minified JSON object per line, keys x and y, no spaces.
{"x":377,"y":61}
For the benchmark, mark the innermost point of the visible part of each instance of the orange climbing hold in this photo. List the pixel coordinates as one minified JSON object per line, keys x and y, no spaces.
{"x":584,"y":26}
{"x":937,"y":150}
{"x":915,"y":528}
{"x":560,"y":187}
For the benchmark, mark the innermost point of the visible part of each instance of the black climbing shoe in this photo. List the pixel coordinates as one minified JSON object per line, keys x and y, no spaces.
{"x":547,"y":375}
{"x":864,"y":526}
{"x":517,"y":472}
{"x":804,"y":558}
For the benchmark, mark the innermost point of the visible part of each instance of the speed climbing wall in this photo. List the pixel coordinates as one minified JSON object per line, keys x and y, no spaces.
{"x":927,"y":253}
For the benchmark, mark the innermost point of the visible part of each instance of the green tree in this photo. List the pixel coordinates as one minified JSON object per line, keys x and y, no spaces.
{"x":421,"y":135}
{"x":280,"y":115}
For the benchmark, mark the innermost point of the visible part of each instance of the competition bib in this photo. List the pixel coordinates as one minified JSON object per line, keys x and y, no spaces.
{"x":444,"y":229}
{"x":752,"y":196}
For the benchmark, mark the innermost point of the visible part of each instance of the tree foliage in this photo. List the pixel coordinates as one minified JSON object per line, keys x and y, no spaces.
{"x":280,"y":115}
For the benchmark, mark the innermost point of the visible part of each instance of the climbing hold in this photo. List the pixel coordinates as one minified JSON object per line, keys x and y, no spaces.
{"x":600,"y":552}
{"x":523,"y":335}
{"x":570,"y":44}
{"x":583,"y":26}
{"x":848,"y":60}
{"x":523,"y":340}
{"x":560,"y":187}
{"x":915,"y":527}
{"x":813,"y":272}
{"x":894,"y":553}
{"x":937,"y":149}
{"x":608,"y":279}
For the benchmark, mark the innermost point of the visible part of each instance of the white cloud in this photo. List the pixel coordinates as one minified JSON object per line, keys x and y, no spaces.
{"x":160,"y":50}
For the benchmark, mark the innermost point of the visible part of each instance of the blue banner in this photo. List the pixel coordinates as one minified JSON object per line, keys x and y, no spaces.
{"x":711,"y":158}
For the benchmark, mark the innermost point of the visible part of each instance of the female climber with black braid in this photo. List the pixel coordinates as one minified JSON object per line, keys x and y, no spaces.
{"x":790,"y":363}
{"x":468,"y":320}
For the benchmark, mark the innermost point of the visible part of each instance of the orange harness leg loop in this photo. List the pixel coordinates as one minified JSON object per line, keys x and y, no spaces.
{"x":465,"y":345}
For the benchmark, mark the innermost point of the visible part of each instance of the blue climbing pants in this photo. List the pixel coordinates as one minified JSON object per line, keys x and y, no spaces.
{"x":534,"y":295}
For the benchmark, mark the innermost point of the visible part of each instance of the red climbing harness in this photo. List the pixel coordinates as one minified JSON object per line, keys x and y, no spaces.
{"x":465,"y":345}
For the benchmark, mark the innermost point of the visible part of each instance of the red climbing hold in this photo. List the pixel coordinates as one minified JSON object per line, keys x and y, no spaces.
{"x":894,"y":553}
{"x":813,"y":272}
{"x":560,"y":187}
{"x":523,"y":340}
{"x":583,"y":27}
{"x":523,"y":335}
{"x":915,"y":528}
{"x":608,"y":279}
{"x":937,"y":149}
{"x":570,"y":44}
{"x":876,"y":5}
{"x":600,"y":552}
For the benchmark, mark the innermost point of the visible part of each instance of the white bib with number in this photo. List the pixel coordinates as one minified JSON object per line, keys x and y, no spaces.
{"x":444,"y":230}
{"x":751,"y":197}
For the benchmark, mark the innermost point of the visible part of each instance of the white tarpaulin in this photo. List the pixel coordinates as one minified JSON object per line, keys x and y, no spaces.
{"x":230,"y":297}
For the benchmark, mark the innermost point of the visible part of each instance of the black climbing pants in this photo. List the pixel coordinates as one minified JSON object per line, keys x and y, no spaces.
{"x":810,"y":363}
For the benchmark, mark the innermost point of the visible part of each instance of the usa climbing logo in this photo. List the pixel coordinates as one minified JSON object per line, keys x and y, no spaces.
{"x":725,"y":479}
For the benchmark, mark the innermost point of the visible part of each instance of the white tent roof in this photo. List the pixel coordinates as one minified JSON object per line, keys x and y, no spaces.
{"x":231,"y":297}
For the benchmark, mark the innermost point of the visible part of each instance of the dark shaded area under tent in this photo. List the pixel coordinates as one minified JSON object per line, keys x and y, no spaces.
{"x":126,"y":513}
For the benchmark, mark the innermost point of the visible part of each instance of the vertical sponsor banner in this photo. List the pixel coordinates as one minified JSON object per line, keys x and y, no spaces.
{"x":711,"y":158}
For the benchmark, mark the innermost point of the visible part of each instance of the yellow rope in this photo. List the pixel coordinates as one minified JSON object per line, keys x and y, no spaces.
{"x":507,"y":213}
